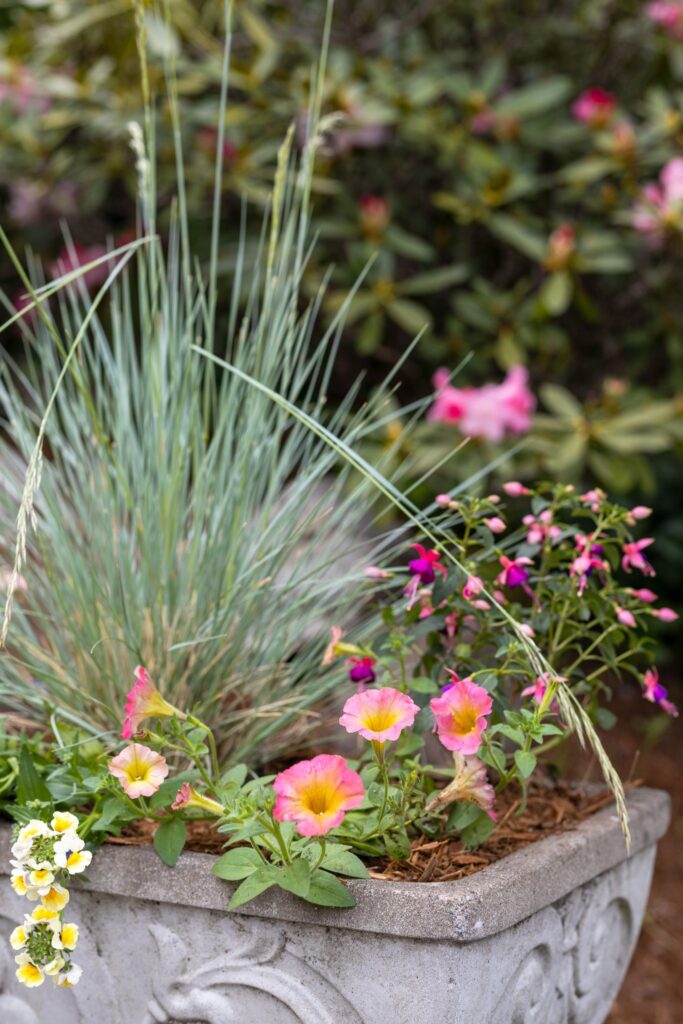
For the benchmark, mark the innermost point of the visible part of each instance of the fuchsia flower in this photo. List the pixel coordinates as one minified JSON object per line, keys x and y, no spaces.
{"x":145,"y":701}
{"x":473,"y":588}
{"x":668,"y":14}
{"x":515,"y":489}
{"x":23,"y":93}
{"x":316,"y":794}
{"x":656,"y":693}
{"x":593,"y":498}
{"x":660,"y":207}
{"x":488,"y":412}
{"x":373,"y":572}
{"x":664,"y":614}
{"x":515,"y":574}
{"x":460,"y":714}
{"x":633,"y":557}
{"x":470,"y":783}
{"x":538,"y":530}
{"x":645,"y":595}
{"x":640,"y":512}
{"x":587,"y":560}
{"x":495,"y":524}
{"x":423,"y":571}
{"x":139,"y":770}
{"x":362,"y":670}
{"x":625,"y":617}
{"x":594,"y":107}
{"x":379,"y":715}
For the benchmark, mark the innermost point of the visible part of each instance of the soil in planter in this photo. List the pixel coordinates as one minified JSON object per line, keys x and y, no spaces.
{"x":549,"y":809}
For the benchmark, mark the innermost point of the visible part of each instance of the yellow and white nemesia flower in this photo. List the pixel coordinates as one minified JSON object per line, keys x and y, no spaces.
{"x":69,"y":853}
{"x":27,"y":972}
{"x":63,"y":821}
{"x":19,"y":937}
{"x":56,"y":899}
{"x":70,"y":977}
{"x":66,"y":938}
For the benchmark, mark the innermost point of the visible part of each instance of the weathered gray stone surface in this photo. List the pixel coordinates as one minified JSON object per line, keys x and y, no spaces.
{"x":543,"y":937}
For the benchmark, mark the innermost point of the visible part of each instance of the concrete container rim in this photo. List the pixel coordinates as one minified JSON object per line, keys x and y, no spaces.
{"x":483,"y":904}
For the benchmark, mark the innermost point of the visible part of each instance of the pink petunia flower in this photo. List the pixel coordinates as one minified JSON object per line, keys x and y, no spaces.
{"x":488,"y":412}
{"x":460,"y":714}
{"x":668,"y":14}
{"x":187,"y":796}
{"x":656,"y":693}
{"x":633,"y":557}
{"x":594,"y":107}
{"x":139,"y":770}
{"x":379,"y":715}
{"x":362,"y":670}
{"x":316,"y":794}
{"x":145,"y":701}
{"x":470,"y":784}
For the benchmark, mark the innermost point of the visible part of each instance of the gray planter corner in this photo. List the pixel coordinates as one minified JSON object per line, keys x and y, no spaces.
{"x":542,"y":937}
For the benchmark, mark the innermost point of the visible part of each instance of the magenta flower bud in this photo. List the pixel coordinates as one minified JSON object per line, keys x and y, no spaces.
{"x":495,"y":524}
{"x":362,"y":670}
{"x":664,"y":614}
{"x":515,"y":489}
{"x":641,"y":512}
{"x":442,"y":500}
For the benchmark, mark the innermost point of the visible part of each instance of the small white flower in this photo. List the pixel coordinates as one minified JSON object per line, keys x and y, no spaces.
{"x":55,"y":966}
{"x":63,"y":821}
{"x":19,"y":937}
{"x":71,"y":977}
{"x":69,"y":854}
{"x":41,"y":878}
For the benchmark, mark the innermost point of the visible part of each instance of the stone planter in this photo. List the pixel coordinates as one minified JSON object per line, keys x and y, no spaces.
{"x":542,"y":937}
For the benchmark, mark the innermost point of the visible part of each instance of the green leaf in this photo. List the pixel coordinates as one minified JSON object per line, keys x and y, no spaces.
{"x":528,"y":241}
{"x":526,"y":762}
{"x":327,"y":891}
{"x":422,"y":684}
{"x":296,"y":877}
{"x":397,"y":844}
{"x":235,"y":776}
{"x":536,"y":98}
{"x":605,"y":718}
{"x":169,"y":840}
{"x":252,"y":886}
{"x":560,"y":401}
{"x":411,"y":316}
{"x":556,"y":293}
{"x":435,"y":280}
{"x":237,"y":863}
{"x":343,"y":862}
{"x":111,"y":810}
{"x":167,"y":791}
{"x":462,"y":815}
{"x":30,"y":784}
{"x":478,"y":831}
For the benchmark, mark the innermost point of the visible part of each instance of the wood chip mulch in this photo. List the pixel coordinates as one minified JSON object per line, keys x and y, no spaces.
{"x":549,"y":809}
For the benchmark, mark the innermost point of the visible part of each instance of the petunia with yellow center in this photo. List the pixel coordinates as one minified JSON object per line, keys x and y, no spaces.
{"x":464,"y":721}
{"x":19,"y":937}
{"x":56,"y":898}
{"x":27,"y":972}
{"x":139,"y":770}
{"x":316,"y":794}
{"x":379,"y":715}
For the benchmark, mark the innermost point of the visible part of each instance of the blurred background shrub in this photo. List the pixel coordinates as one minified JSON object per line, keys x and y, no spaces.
{"x":507,"y":178}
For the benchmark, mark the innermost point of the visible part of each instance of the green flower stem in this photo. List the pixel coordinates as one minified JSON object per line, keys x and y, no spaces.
{"x":212,"y":747}
{"x":323,"y":849}
{"x":275,"y":830}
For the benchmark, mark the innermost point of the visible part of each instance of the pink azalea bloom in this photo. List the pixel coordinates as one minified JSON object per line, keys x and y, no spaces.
{"x":473,"y":587}
{"x":660,"y":207}
{"x":470,"y":784}
{"x":515,"y":489}
{"x":664,"y":614}
{"x":379,"y":715}
{"x":488,"y":412}
{"x":495,"y":524}
{"x":71,"y":258}
{"x":145,"y":701}
{"x":460,"y":714}
{"x":656,"y":693}
{"x":316,"y":794}
{"x":633,"y":557}
{"x":668,"y":14}
{"x":625,"y":617}
{"x":139,"y":770}
{"x":362,"y":670}
{"x":594,"y":107}
{"x":373,"y":572}
{"x":645,"y":595}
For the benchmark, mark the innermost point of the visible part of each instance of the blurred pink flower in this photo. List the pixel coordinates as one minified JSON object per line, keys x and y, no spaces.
{"x":73,"y":257}
{"x":488,"y":412}
{"x":633,"y":557}
{"x":656,"y":693}
{"x":594,"y":107}
{"x":361,"y":670}
{"x":561,"y":247}
{"x":20,"y":89}
{"x":660,"y":206}
{"x":373,"y":214}
{"x":648,"y":596}
{"x":669,"y":15}
{"x":495,"y":524}
{"x":541,"y":529}
{"x":664,"y":614}
{"x":625,"y":617}
{"x":515,"y":489}
{"x":373,"y":572}
{"x":460,"y":714}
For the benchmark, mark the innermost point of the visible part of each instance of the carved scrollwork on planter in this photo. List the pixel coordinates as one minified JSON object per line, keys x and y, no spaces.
{"x":213,"y":991}
{"x":604,"y":942}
